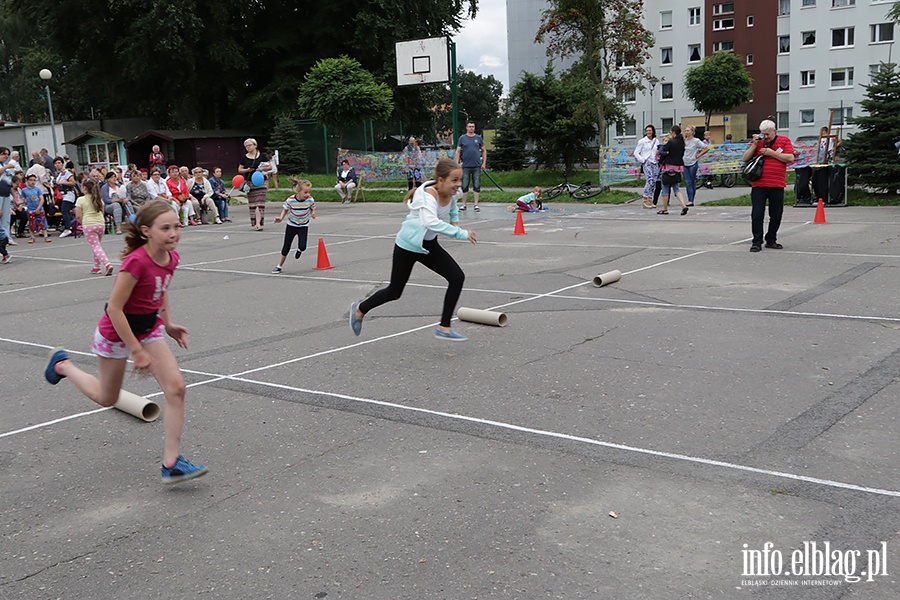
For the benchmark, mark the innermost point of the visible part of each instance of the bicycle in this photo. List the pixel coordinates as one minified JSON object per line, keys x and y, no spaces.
{"x":580,"y":192}
{"x":725,"y":180}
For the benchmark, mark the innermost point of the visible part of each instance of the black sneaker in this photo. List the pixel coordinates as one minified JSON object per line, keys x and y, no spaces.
{"x":298,"y":253}
{"x":462,"y":208}
{"x":755,"y":248}
{"x":774,"y":245}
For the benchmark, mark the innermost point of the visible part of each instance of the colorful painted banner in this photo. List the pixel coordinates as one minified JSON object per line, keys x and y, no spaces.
{"x":617,"y":165}
{"x":391,"y":166}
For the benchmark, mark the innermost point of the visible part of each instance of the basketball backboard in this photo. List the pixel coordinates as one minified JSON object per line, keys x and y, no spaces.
{"x":423,"y":61}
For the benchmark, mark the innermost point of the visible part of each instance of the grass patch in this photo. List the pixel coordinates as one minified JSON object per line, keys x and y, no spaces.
{"x":855,"y":197}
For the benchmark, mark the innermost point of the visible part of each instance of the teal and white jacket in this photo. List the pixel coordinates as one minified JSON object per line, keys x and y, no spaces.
{"x":423,"y":215}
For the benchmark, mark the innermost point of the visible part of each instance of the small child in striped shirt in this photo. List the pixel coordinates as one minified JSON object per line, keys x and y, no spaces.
{"x":298,"y":209}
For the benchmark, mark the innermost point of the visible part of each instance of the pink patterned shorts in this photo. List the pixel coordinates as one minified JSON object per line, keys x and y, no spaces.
{"x":108,"y":349}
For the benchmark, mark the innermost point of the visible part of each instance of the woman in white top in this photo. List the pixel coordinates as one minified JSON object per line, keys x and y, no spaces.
{"x":693,"y":150}
{"x":645,"y":152}
{"x":65,"y":183}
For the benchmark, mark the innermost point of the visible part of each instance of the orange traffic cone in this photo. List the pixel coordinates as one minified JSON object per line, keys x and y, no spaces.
{"x":820,"y":214}
{"x":520,"y":225}
{"x":322,"y":262}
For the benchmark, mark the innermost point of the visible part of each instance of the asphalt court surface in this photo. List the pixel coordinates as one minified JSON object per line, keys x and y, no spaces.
{"x":633,"y":441}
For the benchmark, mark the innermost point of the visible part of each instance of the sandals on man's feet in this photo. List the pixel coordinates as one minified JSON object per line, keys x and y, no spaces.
{"x":662,"y":212}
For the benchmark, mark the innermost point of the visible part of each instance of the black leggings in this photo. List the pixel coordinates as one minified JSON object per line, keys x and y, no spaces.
{"x":290,"y":232}
{"x":438,"y":260}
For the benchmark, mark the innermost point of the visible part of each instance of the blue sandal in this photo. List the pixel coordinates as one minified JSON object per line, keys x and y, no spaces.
{"x":57,"y":355}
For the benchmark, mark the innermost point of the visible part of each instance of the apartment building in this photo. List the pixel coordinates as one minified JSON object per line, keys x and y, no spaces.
{"x":808,"y":59}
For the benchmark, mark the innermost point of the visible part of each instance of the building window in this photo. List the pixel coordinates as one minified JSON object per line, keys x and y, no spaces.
{"x":875,"y":69}
{"x":727,"y":46}
{"x":720,"y":24}
{"x":694,"y":54}
{"x":665,"y":19}
{"x":784,"y":82}
{"x":784,"y":44}
{"x":842,"y":37}
{"x":840,"y":3}
{"x":622,"y":62}
{"x":750,"y":21}
{"x":628,"y":97}
{"x":749,"y":59}
{"x":842,"y":116}
{"x":842,"y":78}
{"x":627,"y":129}
{"x":666,"y":91}
{"x":881,"y":32}
{"x":806,"y":3}
{"x":666,"y":56}
{"x":808,"y":38}
{"x":694,"y":16}
{"x":807,"y":116}
{"x":784,"y":7}
{"x":723,"y":8}
{"x":667,"y":123}
{"x":781,"y":120}
{"x":807,"y":78}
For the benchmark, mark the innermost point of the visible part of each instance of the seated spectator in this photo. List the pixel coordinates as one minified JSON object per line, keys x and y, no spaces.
{"x":346,"y":181}
{"x":157,"y":188}
{"x":220,"y":194}
{"x":115,"y":200}
{"x":181,"y":197}
{"x":137,"y":190}
{"x":202,"y":194}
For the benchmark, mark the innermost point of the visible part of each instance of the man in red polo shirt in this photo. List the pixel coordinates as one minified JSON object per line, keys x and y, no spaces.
{"x":779,"y":153}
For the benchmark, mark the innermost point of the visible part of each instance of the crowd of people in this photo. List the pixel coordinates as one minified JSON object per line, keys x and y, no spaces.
{"x":47,"y":193}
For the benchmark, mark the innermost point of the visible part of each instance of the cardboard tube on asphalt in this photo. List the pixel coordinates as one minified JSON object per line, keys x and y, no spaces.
{"x":485,"y":317}
{"x":137,"y":406}
{"x":607,"y":278}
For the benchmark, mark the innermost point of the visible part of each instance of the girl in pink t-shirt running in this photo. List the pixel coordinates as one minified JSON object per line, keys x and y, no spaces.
{"x":135,"y":318}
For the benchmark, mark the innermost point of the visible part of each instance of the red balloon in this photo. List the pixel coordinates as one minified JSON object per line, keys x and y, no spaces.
{"x":238,"y":181}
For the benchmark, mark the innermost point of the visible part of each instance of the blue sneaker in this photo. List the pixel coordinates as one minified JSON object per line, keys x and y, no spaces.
{"x":450,"y":336}
{"x":355,"y":324}
{"x":182,"y":470}
{"x":57,"y":355}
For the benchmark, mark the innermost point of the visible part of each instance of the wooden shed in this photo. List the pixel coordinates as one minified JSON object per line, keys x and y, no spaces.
{"x":192,"y":148}
{"x":99,"y":150}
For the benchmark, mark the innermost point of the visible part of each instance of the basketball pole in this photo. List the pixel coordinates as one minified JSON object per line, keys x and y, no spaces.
{"x":454,"y":90}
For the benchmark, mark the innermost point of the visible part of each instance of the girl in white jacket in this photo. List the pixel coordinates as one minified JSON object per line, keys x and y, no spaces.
{"x":432,"y":210}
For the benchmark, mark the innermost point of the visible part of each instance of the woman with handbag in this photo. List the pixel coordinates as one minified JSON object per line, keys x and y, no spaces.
{"x":671,"y":165}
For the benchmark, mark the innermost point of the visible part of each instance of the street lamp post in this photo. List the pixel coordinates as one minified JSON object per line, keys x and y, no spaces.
{"x":46,"y":75}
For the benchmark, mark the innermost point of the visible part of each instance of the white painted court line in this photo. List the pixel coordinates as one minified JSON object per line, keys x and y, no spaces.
{"x":496,"y":424}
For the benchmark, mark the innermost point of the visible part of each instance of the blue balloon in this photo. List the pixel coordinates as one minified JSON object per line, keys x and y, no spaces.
{"x":257,"y":179}
{"x":132,"y":216}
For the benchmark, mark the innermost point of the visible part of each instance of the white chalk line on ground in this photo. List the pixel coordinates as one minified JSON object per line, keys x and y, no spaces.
{"x":499,"y":424}
{"x":492,"y":423}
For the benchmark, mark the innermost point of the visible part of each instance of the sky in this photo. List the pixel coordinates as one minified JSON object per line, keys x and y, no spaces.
{"x":481,"y":43}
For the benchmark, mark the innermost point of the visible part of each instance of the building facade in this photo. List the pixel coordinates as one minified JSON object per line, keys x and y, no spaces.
{"x":809,"y":59}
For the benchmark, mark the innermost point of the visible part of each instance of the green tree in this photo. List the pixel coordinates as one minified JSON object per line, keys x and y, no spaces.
{"x":544,"y":112}
{"x":338,"y":92}
{"x":894,"y":13}
{"x":509,"y":153}
{"x":287,"y":138}
{"x":204,"y":63}
{"x":601,"y":36}
{"x":720,"y":83}
{"x":479,"y":97}
{"x":871,"y":154}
